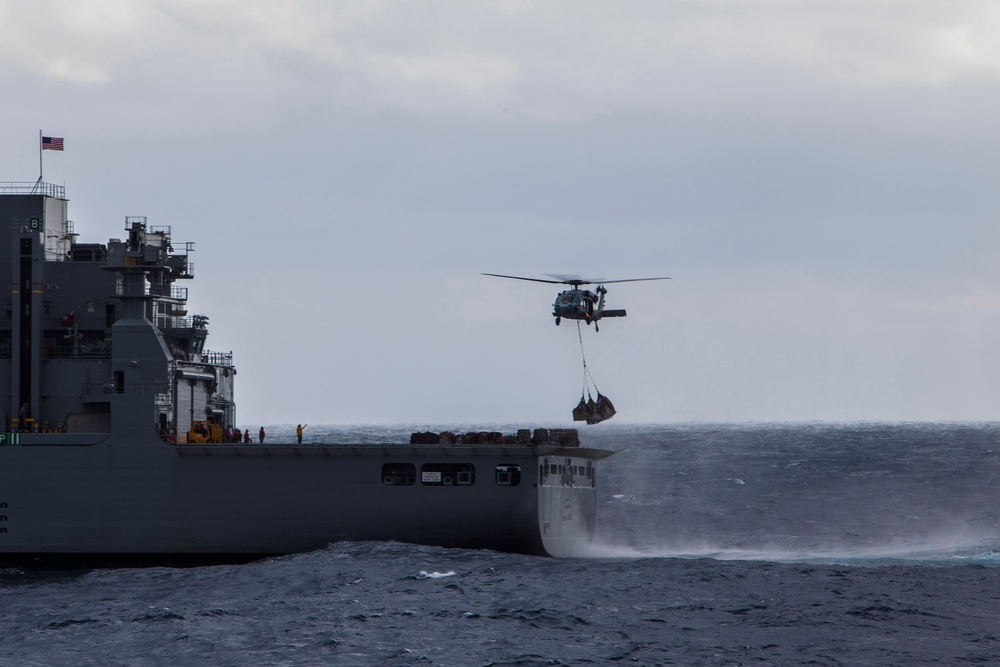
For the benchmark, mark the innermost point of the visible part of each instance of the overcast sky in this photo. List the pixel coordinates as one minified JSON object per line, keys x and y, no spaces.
{"x":819,"y":177}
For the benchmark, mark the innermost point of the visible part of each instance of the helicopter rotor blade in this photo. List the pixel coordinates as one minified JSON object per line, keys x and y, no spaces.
{"x":535,"y":280}
{"x":570,"y":279}
{"x":632,"y":280}
{"x":574,"y":280}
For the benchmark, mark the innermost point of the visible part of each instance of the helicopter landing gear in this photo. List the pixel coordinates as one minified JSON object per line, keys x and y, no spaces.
{"x":558,"y":320}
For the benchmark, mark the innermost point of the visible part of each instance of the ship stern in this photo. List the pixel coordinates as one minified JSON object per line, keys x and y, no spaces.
{"x":567,"y":500}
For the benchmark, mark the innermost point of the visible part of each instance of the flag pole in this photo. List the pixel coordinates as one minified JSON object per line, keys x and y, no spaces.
{"x":38,"y":183}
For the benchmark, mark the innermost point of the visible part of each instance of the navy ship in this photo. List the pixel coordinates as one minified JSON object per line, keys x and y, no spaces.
{"x":115,"y":413}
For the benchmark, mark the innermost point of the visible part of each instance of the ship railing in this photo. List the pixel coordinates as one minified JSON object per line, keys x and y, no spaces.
{"x":170,"y":322}
{"x":89,"y":252}
{"x":177,"y":322}
{"x":169,"y":291}
{"x":218,"y":358}
{"x":33,"y":188}
{"x":153,"y":387}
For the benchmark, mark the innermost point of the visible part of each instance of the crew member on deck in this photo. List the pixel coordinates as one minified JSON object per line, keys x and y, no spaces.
{"x":298,"y":431}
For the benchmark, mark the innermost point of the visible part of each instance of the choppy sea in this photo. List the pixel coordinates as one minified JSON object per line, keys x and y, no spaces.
{"x":804,"y":544}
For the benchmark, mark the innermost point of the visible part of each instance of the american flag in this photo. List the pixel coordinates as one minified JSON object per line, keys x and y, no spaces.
{"x":52,"y":143}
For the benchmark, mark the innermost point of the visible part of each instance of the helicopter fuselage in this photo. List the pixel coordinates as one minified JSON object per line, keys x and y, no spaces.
{"x":581,"y":304}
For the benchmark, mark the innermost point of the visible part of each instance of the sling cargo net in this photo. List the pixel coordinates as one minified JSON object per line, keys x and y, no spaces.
{"x":593,"y":412}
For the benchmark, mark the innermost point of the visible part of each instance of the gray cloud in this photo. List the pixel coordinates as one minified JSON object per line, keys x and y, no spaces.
{"x":817,"y":177}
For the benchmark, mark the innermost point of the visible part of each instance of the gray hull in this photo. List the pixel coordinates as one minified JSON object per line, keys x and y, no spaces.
{"x":157,"y":502}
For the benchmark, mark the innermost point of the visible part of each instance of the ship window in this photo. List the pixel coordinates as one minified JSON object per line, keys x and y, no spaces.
{"x":448,"y":474}
{"x":553,"y":469}
{"x":399,"y":474}
{"x":508,"y":475}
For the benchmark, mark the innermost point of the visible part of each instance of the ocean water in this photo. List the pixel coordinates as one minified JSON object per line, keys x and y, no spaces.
{"x":854,"y":544}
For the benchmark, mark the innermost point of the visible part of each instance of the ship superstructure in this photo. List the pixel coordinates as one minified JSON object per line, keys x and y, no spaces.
{"x":89,"y":326}
{"x":113,"y":411}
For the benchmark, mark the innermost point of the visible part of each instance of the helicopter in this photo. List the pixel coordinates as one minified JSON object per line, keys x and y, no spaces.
{"x":577,"y":303}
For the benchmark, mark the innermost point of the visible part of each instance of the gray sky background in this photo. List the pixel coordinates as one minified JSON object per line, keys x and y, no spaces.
{"x":818,"y":176}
